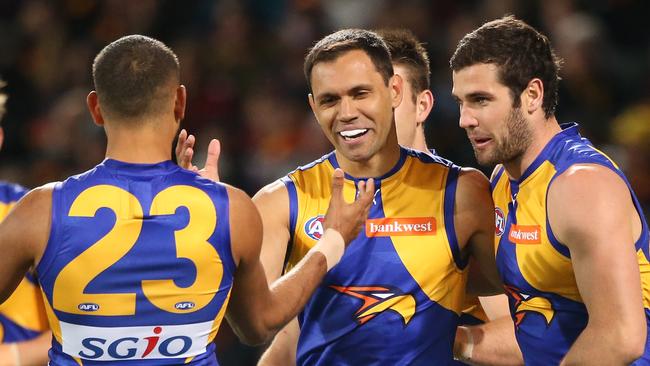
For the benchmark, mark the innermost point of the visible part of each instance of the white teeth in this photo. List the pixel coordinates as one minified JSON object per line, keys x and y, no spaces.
{"x":352,"y":133}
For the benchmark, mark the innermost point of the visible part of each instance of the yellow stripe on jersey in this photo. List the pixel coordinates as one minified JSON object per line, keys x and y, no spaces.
{"x":644,"y":267}
{"x":429,"y":268}
{"x":542,"y":266}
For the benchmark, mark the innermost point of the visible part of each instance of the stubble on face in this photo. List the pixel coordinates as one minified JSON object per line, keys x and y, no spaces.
{"x":514,"y":141}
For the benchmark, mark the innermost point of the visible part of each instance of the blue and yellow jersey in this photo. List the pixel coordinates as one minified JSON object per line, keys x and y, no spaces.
{"x":473,"y":312}
{"x":22,"y":316}
{"x":535,"y":268}
{"x":138,"y":267}
{"x":396,"y":295}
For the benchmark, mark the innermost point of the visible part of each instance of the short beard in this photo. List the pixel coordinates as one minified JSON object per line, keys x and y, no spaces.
{"x":514,"y":143}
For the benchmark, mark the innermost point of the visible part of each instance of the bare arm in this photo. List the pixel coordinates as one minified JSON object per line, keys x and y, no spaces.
{"x":23,"y":236}
{"x":474,"y":222}
{"x":256,"y":318}
{"x":591,"y":211}
{"x":272,"y":202}
{"x":492,"y":343}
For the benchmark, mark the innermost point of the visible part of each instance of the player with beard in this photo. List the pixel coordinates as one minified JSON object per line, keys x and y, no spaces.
{"x":572,"y":242}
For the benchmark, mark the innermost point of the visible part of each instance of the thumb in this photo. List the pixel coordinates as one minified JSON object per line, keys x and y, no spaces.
{"x":212,"y":160}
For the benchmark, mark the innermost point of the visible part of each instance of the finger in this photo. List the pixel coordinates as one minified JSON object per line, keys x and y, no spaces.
{"x":366,"y":193}
{"x":212,"y":160}
{"x":337,"y":185}
{"x":182,"y":136}
{"x":195,"y":169}
{"x":185,"y":161}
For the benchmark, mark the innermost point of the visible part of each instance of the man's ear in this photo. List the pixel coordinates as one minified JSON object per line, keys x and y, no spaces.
{"x":532,"y":98}
{"x":423,"y":105}
{"x":179,"y":104}
{"x":92,"y":101}
{"x":396,"y":85}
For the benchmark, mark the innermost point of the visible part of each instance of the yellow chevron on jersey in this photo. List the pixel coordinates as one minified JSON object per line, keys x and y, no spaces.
{"x":541,"y":264}
{"x":410,"y":195}
{"x":405,"y":264}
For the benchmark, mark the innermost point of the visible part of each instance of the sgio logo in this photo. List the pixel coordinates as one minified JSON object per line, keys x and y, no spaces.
{"x":135,"y":343}
{"x":128,"y":347}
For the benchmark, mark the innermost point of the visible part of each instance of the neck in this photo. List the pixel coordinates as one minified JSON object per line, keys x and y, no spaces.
{"x":147,"y":143}
{"x":419,"y":141}
{"x":541,"y":133}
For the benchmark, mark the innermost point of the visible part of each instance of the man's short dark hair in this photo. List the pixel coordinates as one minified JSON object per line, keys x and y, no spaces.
{"x":3,"y":99}
{"x":132,"y":76}
{"x":521,"y":54}
{"x":334,"y":45}
{"x":407,"y":51}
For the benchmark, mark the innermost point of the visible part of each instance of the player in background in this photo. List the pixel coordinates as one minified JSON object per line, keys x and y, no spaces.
{"x":138,"y":258}
{"x":411,"y":62}
{"x":572,"y":241}
{"x":24,"y":332}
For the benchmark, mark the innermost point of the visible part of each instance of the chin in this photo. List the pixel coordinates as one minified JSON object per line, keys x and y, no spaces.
{"x":485,"y":159}
{"x":356,"y":156}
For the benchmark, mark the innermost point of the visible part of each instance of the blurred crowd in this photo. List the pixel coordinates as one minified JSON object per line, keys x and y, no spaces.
{"x":241,"y":62}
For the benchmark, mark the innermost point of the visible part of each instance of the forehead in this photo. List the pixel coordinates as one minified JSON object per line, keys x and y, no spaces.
{"x":478,"y":77}
{"x":349,"y":70}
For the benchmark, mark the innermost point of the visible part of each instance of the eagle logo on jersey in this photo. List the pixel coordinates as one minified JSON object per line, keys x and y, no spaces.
{"x":525,"y":304}
{"x":377,"y":299}
{"x":314,"y":227}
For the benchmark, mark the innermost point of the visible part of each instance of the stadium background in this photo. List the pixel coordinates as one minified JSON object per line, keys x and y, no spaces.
{"x":242,"y":65}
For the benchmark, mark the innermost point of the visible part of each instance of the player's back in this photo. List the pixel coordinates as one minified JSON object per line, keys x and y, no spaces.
{"x":138,"y":266}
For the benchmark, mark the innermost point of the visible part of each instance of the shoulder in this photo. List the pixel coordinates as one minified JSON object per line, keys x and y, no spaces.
{"x":245,"y":224}
{"x":28,"y":224}
{"x":40,"y":195}
{"x":586,"y":180}
{"x":273,"y":191}
{"x":473,"y":198}
{"x":583,"y":197}
{"x":472,"y":181}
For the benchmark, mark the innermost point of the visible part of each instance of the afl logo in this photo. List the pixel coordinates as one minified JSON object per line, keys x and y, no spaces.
{"x":499,"y":221}
{"x":314,"y":227}
{"x":184,"y":305}
{"x":88,"y":306}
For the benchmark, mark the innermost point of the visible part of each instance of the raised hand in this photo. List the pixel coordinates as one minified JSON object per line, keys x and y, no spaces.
{"x":185,"y":151}
{"x":348,"y":218}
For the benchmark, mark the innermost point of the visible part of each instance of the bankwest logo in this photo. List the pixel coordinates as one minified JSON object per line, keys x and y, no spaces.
{"x":403,"y":226}
{"x":525,"y":234}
